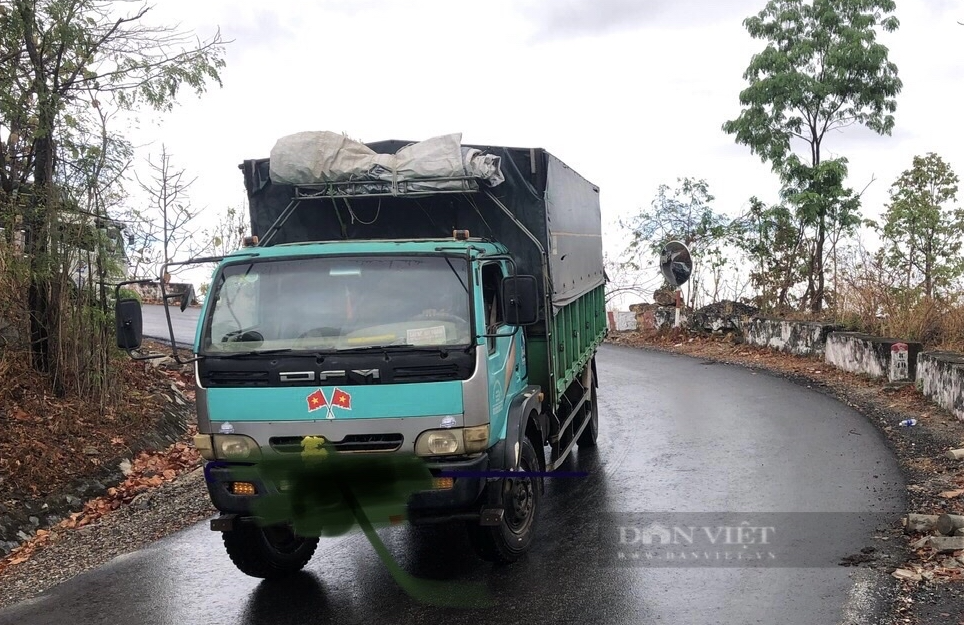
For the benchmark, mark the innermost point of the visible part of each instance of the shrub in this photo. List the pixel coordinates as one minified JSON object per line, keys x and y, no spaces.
{"x":130,"y":294}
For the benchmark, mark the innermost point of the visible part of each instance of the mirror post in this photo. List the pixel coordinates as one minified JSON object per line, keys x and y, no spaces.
{"x":676,"y":265}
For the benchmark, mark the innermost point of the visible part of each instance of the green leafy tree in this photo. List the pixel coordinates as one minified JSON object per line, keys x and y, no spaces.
{"x":59,"y":57}
{"x":922,"y":232}
{"x":821,"y":71}
{"x":773,"y":240}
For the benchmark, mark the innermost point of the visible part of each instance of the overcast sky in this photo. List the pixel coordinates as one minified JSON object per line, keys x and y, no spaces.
{"x":630,"y":93}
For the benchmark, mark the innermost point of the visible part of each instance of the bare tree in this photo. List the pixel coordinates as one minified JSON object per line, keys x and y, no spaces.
{"x":170,"y":215}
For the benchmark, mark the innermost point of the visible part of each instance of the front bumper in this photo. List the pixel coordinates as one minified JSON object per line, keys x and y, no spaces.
{"x":461,"y":501}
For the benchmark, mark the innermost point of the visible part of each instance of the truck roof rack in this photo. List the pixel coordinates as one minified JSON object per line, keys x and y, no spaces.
{"x":420,"y":187}
{"x":386,"y":188}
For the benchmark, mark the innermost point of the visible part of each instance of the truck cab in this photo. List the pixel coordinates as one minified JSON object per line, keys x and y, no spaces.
{"x":375,"y":346}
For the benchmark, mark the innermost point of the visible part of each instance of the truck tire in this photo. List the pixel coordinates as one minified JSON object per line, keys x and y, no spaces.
{"x":511,"y":539}
{"x":268,"y":552}
{"x":589,"y":435}
{"x":590,"y":410}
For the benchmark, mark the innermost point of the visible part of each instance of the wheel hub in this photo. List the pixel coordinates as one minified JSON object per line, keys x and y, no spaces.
{"x":521,"y":501}
{"x":281,"y":538}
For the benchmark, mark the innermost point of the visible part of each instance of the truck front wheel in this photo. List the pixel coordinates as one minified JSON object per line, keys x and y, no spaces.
{"x":268,"y":552}
{"x":520,"y":500}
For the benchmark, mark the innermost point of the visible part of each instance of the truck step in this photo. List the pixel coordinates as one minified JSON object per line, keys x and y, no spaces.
{"x":224,"y":523}
{"x":491,"y":516}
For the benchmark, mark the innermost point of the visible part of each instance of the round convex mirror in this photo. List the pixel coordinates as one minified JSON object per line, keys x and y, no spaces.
{"x":676,"y":263}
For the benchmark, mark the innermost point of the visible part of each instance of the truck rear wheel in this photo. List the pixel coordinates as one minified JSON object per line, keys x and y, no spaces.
{"x":520,"y":499}
{"x":268,"y":552}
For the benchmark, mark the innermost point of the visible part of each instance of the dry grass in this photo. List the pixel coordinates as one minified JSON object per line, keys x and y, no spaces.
{"x":867,"y":300}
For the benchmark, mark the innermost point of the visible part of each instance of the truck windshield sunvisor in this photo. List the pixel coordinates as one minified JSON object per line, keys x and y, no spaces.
{"x":325,"y":304}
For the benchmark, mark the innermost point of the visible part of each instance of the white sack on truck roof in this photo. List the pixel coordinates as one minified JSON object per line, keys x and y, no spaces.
{"x":318,"y":157}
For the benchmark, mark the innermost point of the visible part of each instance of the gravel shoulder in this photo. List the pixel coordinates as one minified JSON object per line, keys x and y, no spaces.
{"x":164,"y":510}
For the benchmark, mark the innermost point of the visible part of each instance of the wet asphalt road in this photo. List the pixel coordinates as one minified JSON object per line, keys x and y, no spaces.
{"x":676,"y":436}
{"x":183,"y":323}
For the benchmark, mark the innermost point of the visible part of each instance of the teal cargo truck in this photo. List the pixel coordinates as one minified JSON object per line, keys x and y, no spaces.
{"x":433,"y":299}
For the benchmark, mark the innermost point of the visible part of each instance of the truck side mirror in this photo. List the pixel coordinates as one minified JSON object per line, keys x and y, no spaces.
{"x":128,"y":324}
{"x":520,"y":300}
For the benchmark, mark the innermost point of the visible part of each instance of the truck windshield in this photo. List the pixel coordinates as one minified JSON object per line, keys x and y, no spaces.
{"x":340,"y":303}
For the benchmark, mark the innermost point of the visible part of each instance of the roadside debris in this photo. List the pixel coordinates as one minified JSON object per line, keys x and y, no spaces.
{"x":947,"y":524}
{"x":908,"y":575}
{"x":920,"y":522}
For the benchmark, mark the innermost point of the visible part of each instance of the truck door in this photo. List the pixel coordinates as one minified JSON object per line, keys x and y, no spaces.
{"x":501,"y":350}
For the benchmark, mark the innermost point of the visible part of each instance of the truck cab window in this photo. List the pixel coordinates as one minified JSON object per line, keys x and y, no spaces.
{"x":491,"y":279}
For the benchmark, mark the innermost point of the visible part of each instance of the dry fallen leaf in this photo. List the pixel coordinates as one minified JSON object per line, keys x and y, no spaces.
{"x":950,"y":494}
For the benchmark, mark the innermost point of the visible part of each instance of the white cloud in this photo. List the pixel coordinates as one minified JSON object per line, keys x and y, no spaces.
{"x":630,"y":94}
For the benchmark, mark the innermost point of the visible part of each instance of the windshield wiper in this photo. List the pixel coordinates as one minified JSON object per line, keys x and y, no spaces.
{"x":263,"y":352}
{"x":377,"y":348}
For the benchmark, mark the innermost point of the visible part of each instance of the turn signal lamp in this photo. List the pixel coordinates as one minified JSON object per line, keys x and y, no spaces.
{"x":204,"y":446}
{"x":476,"y":438}
{"x":243,"y":488}
{"x":443,"y":483}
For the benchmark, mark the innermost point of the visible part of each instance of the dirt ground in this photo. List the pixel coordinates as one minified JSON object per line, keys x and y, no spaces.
{"x":64,"y":463}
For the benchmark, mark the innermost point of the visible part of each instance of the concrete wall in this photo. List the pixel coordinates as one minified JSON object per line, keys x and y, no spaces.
{"x":878,"y":357}
{"x":622,"y":321}
{"x":794,"y":337}
{"x":940,"y":377}
{"x":151,"y":292}
{"x":717,"y":323}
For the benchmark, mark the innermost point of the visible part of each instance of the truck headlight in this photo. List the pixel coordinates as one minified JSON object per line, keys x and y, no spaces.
{"x":236,"y":447}
{"x":439,"y":443}
{"x":452,"y":441}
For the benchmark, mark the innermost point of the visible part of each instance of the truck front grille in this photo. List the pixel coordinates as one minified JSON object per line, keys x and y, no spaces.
{"x":235,"y":378}
{"x":426,"y":373}
{"x":353,"y":443}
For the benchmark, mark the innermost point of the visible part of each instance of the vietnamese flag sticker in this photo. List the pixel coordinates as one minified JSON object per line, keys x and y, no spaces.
{"x":341,"y":399}
{"x":316,"y":401}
